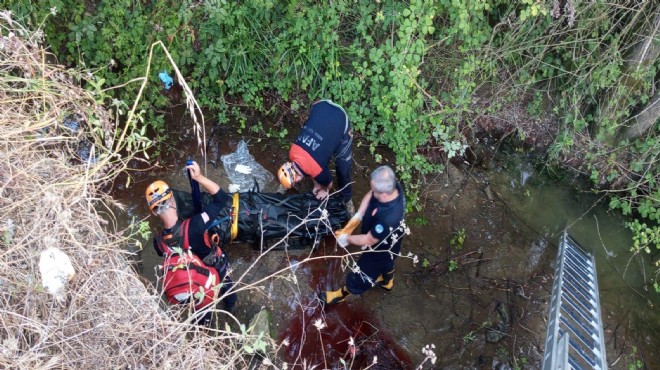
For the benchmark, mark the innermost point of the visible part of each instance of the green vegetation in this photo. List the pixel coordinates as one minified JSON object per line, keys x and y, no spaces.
{"x":421,"y":220}
{"x":469,"y":337}
{"x":457,"y":241}
{"x":520,"y":363}
{"x":140,"y":231}
{"x":634,"y":362}
{"x":410,"y":74}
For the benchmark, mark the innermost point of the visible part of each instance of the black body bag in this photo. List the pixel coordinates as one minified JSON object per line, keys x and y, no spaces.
{"x":272,"y":216}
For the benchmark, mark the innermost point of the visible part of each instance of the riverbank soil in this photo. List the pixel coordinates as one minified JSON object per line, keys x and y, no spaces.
{"x":473,"y":283}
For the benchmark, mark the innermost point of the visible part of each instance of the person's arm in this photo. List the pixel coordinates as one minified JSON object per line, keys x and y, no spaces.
{"x":322,"y":183}
{"x":320,"y":191}
{"x":363,"y":205}
{"x":211,"y":186}
{"x":208,"y":184}
{"x":361,"y":239}
{"x":357,"y":217}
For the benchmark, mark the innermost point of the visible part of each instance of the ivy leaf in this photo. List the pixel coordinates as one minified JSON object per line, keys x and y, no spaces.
{"x":615,"y":203}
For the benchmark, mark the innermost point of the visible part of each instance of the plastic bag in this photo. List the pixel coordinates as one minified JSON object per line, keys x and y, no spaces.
{"x":243,"y":170}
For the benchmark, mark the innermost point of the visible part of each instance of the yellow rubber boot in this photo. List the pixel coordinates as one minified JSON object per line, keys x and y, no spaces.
{"x":334,"y":296}
{"x":385,"y":281}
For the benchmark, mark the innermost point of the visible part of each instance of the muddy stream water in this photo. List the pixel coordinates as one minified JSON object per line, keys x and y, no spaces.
{"x":482,"y":302}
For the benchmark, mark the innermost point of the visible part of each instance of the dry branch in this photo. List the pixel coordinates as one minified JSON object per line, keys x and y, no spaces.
{"x":57,"y":161}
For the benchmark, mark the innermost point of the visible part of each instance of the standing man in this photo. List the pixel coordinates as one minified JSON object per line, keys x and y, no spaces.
{"x":191,"y":233}
{"x":383,"y":227}
{"x":325,"y":134}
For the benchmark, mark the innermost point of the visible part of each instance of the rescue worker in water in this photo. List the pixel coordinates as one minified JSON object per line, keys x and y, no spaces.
{"x":194,"y":230}
{"x":326,"y":133}
{"x":381,"y":212}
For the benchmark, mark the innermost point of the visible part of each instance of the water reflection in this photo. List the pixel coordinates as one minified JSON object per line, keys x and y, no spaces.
{"x":625,"y":281}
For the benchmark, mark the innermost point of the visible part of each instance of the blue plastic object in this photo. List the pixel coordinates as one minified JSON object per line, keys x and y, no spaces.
{"x":167,"y":79}
{"x":195,"y":190}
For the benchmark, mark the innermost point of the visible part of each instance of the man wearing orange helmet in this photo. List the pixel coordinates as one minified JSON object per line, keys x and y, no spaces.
{"x":326,"y":134}
{"x":191,"y":233}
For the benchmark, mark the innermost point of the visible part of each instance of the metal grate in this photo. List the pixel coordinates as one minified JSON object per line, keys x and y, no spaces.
{"x":575,"y":331}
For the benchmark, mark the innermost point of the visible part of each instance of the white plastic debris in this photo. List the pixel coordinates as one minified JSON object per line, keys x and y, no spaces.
{"x":234,"y":188}
{"x":241,"y":168}
{"x":56,"y":271}
{"x":258,"y":179}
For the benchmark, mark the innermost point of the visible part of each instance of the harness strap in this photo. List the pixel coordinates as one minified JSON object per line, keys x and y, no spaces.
{"x":185,"y":226}
{"x":217,"y":222}
{"x":172,"y":239}
{"x":190,"y":266}
{"x":214,"y":240}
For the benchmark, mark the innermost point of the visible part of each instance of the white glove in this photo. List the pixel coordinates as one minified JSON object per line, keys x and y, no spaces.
{"x":342,"y":240}
{"x":243,"y":169}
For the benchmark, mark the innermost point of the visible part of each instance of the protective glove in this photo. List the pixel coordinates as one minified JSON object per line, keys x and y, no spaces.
{"x":166,"y":79}
{"x":342,"y":240}
{"x":351,"y":225}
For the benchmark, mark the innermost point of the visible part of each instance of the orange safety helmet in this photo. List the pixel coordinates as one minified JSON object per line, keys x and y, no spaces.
{"x":157,"y":192}
{"x":288,"y":175}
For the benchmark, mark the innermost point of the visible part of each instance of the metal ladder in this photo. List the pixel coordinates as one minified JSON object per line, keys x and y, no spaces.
{"x":575,"y":331}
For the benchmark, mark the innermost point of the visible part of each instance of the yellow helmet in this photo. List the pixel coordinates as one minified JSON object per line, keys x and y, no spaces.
{"x":287,"y":175}
{"x":157,"y":192}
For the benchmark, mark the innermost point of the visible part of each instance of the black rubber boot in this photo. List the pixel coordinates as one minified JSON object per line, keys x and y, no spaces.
{"x":385,"y":281}
{"x":334,"y":296}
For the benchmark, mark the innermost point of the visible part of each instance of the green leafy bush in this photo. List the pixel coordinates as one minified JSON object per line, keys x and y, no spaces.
{"x":371,"y":57}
